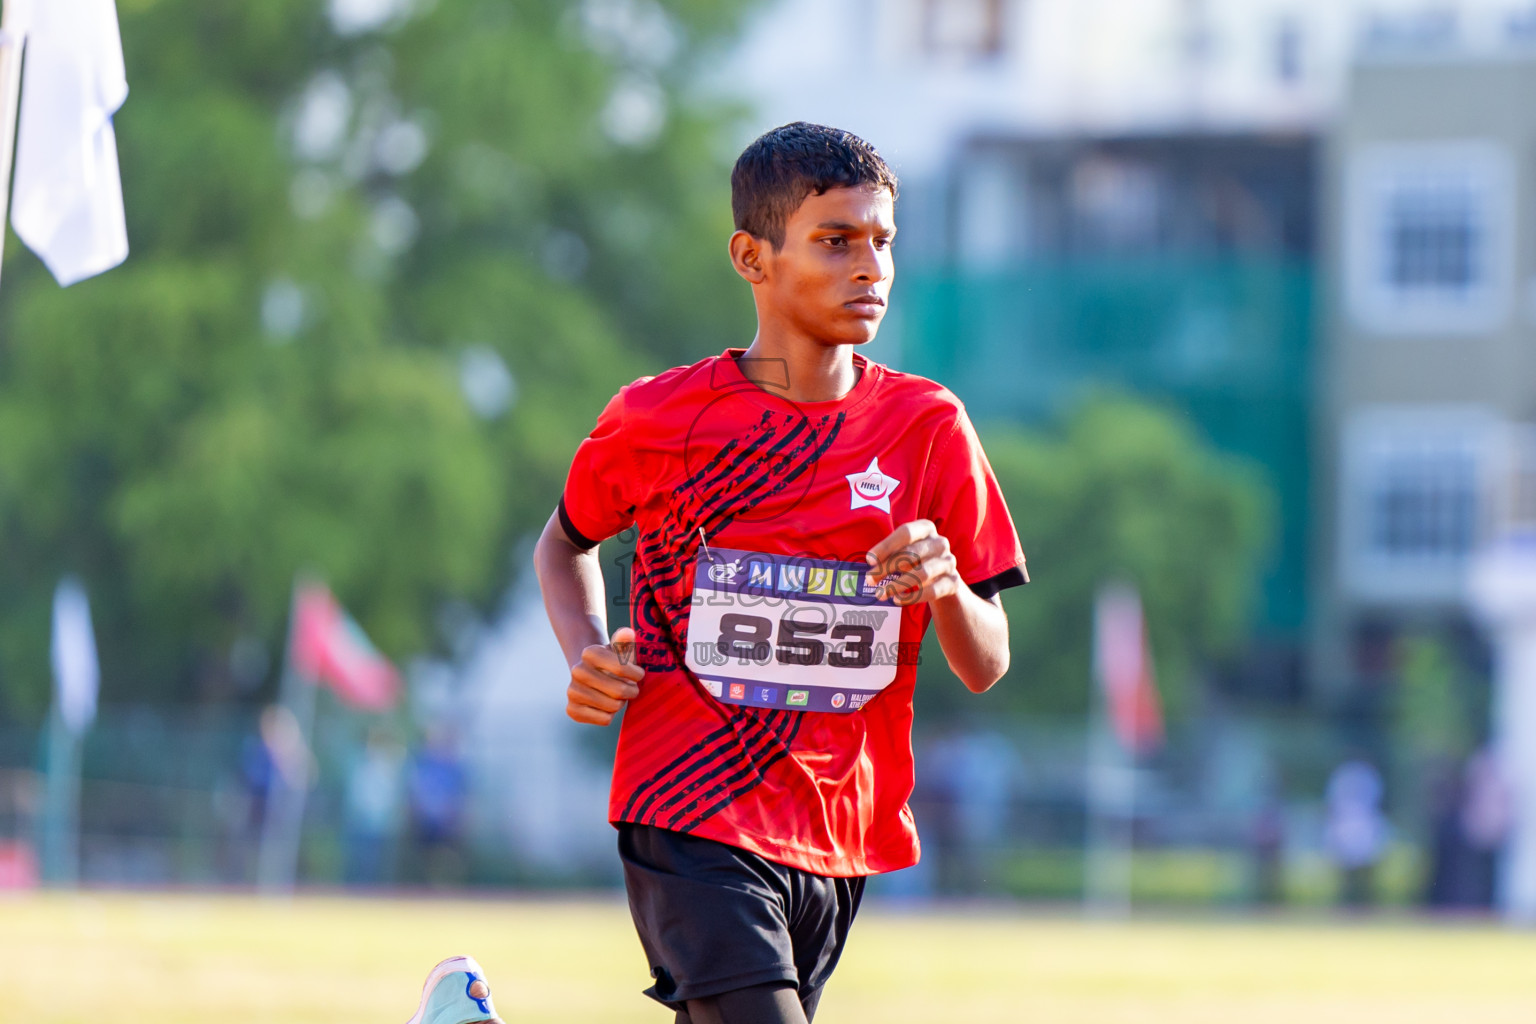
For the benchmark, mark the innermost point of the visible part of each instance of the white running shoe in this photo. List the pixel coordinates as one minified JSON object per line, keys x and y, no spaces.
{"x":456,"y":992}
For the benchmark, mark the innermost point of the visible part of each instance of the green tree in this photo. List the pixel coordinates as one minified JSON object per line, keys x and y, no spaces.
{"x":383,"y":278}
{"x":1125,"y":491}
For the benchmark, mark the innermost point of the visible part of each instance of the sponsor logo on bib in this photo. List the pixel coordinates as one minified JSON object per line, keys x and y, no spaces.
{"x":725,"y":572}
{"x":792,"y":578}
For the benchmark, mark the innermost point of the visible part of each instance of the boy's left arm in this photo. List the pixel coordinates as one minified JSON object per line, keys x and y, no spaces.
{"x":972,"y":630}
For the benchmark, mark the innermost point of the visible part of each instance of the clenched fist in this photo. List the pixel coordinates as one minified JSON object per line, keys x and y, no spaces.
{"x":916,"y":564}
{"x":604,"y":679}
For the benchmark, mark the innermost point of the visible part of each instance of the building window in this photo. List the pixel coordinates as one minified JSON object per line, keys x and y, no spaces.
{"x":1417,"y":488}
{"x":967,"y":29}
{"x":1428,"y":245}
{"x":1423,"y":504}
{"x":1434,"y":237}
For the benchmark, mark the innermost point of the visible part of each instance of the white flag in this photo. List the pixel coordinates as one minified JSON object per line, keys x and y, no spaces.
{"x":67,"y":203}
{"x":75,"y":672}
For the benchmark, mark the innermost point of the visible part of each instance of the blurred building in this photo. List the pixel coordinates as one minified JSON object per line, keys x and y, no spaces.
{"x":1431,"y":311}
{"x":1127,"y":192}
{"x":925,"y":80}
{"x":1175,"y":265}
{"x":920,"y":77}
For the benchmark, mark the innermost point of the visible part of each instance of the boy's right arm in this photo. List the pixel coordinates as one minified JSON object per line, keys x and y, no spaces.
{"x":604,"y":673}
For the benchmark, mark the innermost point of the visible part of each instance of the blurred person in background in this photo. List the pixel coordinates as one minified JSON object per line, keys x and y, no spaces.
{"x":933,"y":807}
{"x":1470,"y":818}
{"x":972,"y":772}
{"x":1356,"y":828}
{"x":1445,"y":881}
{"x":275,"y":752}
{"x":437,"y":786}
{"x":373,"y":805}
{"x":1266,"y":845}
{"x":1485,"y":820}
{"x":246,"y":810}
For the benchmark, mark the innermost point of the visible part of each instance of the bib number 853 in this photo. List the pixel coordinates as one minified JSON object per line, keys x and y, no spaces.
{"x":747,"y":637}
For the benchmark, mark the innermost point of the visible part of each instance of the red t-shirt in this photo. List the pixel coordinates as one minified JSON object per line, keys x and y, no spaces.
{"x":795,"y":745}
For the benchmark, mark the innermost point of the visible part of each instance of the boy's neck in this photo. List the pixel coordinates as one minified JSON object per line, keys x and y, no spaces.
{"x":816,"y":372}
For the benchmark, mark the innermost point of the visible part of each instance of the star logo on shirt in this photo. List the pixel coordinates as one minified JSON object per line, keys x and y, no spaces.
{"x":872,"y":487}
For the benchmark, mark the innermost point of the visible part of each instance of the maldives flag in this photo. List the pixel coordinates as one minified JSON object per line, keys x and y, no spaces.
{"x":326,"y":646}
{"x":1123,"y":663}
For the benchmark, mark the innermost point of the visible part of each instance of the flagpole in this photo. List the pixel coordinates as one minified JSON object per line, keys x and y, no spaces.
{"x":282,"y":827}
{"x":1107,"y":862}
{"x":59,"y":846}
{"x":11,"y":44}
{"x":1112,"y":750}
{"x":76,"y":677}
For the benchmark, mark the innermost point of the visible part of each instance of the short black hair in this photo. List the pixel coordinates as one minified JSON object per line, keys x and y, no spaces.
{"x":781,"y":167}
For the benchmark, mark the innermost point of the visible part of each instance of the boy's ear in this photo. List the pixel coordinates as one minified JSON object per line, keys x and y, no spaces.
{"x":747,"y":252}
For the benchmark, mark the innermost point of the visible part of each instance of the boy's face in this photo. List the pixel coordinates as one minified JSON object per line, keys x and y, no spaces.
{"x":831,"y":278}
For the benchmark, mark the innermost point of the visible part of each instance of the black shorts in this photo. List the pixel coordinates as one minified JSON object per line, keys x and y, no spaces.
{"x":714,"y":918}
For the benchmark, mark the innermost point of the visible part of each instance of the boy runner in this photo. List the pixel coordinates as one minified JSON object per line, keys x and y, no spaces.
{"x":802,"y":515}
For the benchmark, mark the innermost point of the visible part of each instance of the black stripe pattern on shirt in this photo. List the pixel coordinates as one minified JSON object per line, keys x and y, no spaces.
{"x":732,"y":759}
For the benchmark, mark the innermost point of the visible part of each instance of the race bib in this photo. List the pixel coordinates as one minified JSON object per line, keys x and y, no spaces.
{"x":782,"y":631}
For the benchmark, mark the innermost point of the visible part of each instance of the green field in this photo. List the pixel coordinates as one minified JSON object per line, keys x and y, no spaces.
{"x":175,"y":959}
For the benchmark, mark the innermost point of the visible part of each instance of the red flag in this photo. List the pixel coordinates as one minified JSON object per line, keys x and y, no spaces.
{"x":18,"y":865}
{"x":1123,"y":663}
{"x":328,"y":647}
